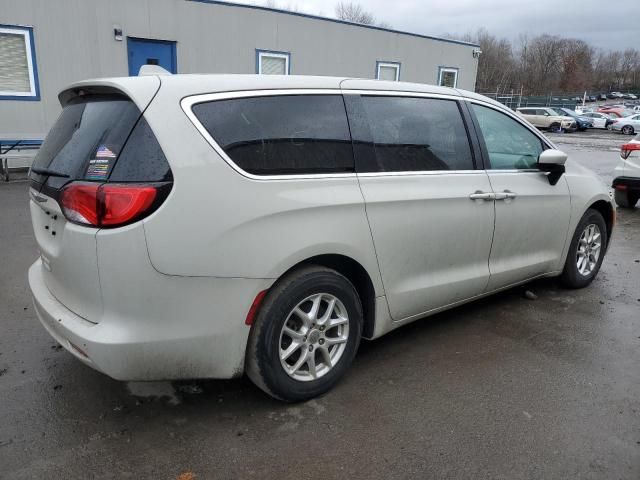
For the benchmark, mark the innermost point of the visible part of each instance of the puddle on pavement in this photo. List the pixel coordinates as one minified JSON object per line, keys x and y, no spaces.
{"x":154,"y":390}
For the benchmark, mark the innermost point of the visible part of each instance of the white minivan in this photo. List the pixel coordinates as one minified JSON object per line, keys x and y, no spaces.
{"x":203,"y":226}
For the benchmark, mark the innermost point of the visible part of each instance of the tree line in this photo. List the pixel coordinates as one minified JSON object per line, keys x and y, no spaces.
{"x":538,"y":65}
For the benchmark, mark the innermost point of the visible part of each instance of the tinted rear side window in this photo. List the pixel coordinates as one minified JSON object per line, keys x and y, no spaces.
{"x":416,"y":134}
{"x":142,"y":158}
{"x":85,"y":141}
{"x":281,"y":134}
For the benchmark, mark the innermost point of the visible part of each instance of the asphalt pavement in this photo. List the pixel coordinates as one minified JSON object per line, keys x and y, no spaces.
{"x":539,"y":385}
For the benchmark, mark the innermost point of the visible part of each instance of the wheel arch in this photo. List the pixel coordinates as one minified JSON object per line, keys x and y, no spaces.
{"x":608,"y":212}
{"x":357,"y":275}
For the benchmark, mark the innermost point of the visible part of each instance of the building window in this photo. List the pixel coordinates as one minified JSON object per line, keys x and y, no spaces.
{"x":448,"y":77}
{"x":273,"y":63}
{"x":388,"y":71}
{"x":18,"y":75}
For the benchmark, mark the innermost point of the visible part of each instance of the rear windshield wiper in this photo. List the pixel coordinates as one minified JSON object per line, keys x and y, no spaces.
{"x":48,"y":172}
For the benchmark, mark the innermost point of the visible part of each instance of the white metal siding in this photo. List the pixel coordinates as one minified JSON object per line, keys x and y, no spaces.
{"x":74,"y":41}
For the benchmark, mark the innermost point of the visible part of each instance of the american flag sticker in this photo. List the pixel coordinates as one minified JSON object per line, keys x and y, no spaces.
{"x":104,"y":152}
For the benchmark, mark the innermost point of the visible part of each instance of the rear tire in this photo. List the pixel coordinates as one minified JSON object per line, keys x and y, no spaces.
{"x":288,"y":334}
{"x":627,"y":130}
{"x":586,"y":251}
{"x":625,"y":199}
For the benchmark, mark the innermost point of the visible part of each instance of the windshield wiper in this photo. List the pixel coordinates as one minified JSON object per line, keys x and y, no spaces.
{"x":48,"y":172}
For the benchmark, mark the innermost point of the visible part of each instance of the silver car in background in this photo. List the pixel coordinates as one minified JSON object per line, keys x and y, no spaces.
{"x":627,"y":125}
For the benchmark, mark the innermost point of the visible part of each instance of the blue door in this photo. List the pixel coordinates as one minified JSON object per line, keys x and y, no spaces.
{"x":143,"y":51}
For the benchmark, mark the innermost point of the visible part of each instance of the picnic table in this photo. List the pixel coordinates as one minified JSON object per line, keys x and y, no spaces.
{"x":13,"y":144}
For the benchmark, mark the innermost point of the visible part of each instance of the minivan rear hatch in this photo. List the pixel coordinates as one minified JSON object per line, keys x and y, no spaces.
{"x":83,"y":145}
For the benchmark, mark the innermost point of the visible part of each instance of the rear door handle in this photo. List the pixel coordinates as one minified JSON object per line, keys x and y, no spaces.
{"x":480,"y":195}
{"x":506,"y":195}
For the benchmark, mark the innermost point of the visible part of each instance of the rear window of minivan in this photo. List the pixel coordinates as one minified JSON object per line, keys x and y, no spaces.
{"x":281,"y":134}
{"x":100,"y":138}
{"x":88,"y":136}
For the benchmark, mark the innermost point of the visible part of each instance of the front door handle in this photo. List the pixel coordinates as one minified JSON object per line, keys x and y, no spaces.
{"x":480,"y":195}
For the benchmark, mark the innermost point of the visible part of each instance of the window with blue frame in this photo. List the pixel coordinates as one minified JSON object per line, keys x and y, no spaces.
{"x":388,"y":71}
{"x":273,"y":63}
{"x":448,"y":77}
{"x":19,"y":74}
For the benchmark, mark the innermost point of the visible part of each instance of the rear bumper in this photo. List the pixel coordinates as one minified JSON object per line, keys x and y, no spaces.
{"x":164,"y":348}
{"x":627,"y":183}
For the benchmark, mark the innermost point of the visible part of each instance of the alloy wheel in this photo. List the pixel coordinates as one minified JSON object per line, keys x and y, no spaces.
{"x":589,"y":246}
{"x":314,"y":337}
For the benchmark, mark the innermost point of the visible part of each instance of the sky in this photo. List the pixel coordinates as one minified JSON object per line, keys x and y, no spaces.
{"x":605,"y":25}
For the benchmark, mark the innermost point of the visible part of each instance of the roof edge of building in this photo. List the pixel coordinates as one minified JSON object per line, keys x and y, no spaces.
{"x":334,"y":20}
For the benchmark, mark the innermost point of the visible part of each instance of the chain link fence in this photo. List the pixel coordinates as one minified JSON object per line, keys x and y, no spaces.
{"x":566,"y":100}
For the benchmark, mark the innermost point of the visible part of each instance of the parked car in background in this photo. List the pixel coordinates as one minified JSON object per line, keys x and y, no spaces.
{"x":307,"y":245}
{"x":599,"y":119}
{"x":582,"y":122}
{"x":602,"y":96}
{"x":591,"y":98}
{"x":616,"y":111}
{"x":547,"y":118}
{"x":581,"y":109}
{"x":636,"y":108}
{"x":627,"y":125}
{"x":626,"y":181}
{"x":630,"y":96}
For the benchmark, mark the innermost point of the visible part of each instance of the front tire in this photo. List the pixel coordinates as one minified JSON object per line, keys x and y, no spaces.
{"x":586,"y":251}
{"x":625,"y":199}
{"x":306,"y":334}
{"x":627,"y":130}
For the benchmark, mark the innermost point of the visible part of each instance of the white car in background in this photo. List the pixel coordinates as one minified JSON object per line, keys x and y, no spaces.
{"x":626,"y":182}
{"x":583,"y":109}
{"x":203,"y":226}
{"x":627,"y":125}
{"x":547,"y":118}
{"x":599,"y":119}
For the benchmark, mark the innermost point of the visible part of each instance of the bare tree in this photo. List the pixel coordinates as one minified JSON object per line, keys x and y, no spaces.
{"x":576,"y":66}
{"x":291,"y":7}
{"x":497,"y":69}
{"x":353,"y":12}
{"x":628,"y":65}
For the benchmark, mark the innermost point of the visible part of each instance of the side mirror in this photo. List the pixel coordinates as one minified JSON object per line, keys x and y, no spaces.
{"x":552,"y":157}
{"x":552,"y":162}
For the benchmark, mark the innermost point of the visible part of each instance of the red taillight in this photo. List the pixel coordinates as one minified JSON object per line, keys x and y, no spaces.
{"x":106,"y":205}
{"x":125,"y":203}
{"x":80,"y":203}
{"x":627,"y":148}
